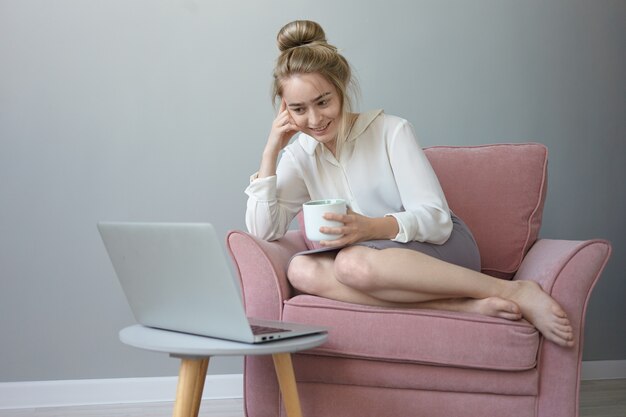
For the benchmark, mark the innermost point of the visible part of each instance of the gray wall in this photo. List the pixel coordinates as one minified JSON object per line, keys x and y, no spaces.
{"x":158,"y":110}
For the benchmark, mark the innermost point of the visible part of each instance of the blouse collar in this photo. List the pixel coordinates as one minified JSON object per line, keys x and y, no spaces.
{"x":360,"y":125}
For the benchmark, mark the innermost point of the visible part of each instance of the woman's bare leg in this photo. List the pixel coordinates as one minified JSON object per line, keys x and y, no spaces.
{"x":314,"y":274}
{"x":399,"y":277}
{"x":490,"y":306}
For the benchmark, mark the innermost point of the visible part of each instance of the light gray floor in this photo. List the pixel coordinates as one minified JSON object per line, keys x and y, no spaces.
{"x":213,"y":408}
{"x":602,"y":398}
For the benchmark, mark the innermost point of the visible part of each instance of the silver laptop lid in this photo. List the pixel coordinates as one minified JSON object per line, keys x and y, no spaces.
{"x":175,"y":277}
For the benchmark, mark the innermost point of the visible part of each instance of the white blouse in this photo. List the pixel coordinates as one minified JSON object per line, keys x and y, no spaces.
{"x":381,"y":171}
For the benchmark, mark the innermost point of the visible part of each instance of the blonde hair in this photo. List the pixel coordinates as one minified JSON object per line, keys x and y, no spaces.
{"x":304,"y":50}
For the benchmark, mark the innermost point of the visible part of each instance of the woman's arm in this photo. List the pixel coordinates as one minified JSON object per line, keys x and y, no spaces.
{"x":274,"y":201}
{"x":359,"y":228}
{"x":427,"y":216}
{"x":277,"y":190}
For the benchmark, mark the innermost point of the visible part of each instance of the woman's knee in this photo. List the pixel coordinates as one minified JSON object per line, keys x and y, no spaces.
{"x":305,"y":273}
{"x":354,"y":267}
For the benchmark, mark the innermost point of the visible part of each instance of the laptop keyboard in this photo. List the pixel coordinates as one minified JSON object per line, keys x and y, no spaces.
{"x":256,"y":329}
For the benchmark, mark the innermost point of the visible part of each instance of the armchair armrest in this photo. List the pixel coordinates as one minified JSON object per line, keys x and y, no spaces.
{"x":262,"y":270}
{"x":568,"y":270}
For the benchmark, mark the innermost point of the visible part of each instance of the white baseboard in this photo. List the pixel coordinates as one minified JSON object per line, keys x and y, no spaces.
{"x":37,"y":394}
{"x":603,"y":370}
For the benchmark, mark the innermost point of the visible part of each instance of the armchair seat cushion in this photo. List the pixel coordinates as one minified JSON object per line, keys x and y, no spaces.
{"x":418,"y":336}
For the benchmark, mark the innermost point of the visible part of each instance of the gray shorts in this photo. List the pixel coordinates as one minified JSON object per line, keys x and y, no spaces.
{"x":460,"y":248}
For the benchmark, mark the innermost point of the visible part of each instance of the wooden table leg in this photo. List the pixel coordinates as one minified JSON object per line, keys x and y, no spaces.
{"x":287,"y":383}
{"x":190,"y":385}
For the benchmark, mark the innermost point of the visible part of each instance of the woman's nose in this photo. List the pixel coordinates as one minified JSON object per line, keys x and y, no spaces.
{"x":315,"y":117}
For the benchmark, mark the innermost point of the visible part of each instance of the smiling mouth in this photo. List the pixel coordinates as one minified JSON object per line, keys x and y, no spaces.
{"x":321,"y":129}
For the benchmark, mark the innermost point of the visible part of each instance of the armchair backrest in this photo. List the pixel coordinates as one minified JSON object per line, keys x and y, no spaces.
{"x":499,"y":191}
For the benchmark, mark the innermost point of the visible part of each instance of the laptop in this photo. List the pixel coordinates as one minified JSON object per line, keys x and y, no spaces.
{"x":176,"y":277}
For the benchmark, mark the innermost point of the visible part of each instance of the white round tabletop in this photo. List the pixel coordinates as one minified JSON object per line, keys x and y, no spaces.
{"x":184,"y":344}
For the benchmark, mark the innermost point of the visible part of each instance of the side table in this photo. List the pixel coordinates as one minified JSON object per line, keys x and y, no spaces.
{"x":195,"y":351}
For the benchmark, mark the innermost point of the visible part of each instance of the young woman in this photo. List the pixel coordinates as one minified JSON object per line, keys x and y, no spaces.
{"x":400,"y":245}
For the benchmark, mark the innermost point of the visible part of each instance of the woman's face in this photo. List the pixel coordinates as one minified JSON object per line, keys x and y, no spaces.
{"x":314,"y":105}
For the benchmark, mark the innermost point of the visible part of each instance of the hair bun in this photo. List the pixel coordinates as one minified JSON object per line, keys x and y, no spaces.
{"x":299,"y":33}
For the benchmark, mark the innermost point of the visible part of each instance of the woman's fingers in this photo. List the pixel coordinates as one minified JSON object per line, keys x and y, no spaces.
{"x":283,"y":128}
{"x":343,"y":218}
{"x":283,"y":120}
{"x":355,"y":228}
{"x":332,"y":230}
{"x":347,"y":220}
{"x":283,"y":113}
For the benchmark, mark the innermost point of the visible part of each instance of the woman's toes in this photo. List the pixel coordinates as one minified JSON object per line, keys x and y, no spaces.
{"x":563,"y":334}
{"x":561,"y":339}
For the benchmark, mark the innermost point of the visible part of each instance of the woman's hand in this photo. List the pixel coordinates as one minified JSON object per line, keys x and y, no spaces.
{"x":358,"y":228}
{"x":283,"y":128}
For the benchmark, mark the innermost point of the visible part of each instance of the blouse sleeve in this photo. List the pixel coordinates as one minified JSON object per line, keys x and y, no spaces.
{"x":427,"y":216}
{"x":274,"y":201}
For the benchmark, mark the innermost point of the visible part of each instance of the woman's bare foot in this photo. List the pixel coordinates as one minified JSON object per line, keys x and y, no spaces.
{"x":543,"y":312}
{"x":494,"y":307}
{"x":491,"y":306}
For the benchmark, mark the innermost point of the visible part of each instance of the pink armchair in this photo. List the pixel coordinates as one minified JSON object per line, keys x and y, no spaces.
{"x":382,"y":362}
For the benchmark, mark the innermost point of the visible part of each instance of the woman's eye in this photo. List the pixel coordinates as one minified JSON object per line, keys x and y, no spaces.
{"x":298,"y":110}
{"x":323,"y":103}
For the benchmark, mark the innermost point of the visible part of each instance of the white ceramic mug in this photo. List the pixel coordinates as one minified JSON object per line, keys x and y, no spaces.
{"x":314,"y":217}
